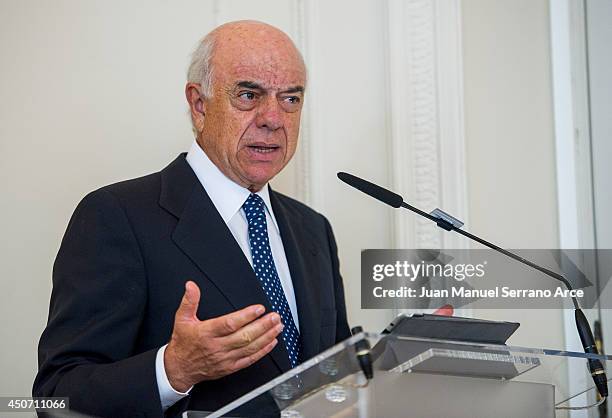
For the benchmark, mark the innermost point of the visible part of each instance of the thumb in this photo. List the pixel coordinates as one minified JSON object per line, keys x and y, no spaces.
{"x":189,"y":304}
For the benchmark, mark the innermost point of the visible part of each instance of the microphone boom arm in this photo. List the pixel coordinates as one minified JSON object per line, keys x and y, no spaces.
{"x":444,"y":224}
{"x":584,"y":330}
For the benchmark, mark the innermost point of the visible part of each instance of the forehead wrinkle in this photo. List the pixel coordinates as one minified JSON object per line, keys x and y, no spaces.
{"x":267,"y":77}
{"x":254,"y":48}
{"x":260,"y":54}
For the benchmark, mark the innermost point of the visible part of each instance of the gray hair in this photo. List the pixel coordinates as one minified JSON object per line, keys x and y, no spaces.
{"x":201,"y":68}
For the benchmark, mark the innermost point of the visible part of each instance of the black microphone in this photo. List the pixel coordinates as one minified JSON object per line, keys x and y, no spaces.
{"x":362,"y":348}
{"x":380,"y":193}
{"x":447,"y":222}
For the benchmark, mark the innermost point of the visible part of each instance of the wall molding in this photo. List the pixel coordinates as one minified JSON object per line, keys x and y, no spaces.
{"x":573,"y":153}
{"x":426,"y":119}
{"x":427,"y":143}
{"x":572,"y":124}
{"x":451,"y":128}
{"x":304,"y":13}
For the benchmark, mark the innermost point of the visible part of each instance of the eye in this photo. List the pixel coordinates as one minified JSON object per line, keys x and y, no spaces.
{"x":292,"y":99}
{"x":247,"y":95}
{"x":291,"y":103}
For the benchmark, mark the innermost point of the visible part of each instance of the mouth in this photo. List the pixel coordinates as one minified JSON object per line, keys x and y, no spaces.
{"x":261,"y":148}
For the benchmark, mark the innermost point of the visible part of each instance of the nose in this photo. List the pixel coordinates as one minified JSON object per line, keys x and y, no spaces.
{"x":270,"y":114}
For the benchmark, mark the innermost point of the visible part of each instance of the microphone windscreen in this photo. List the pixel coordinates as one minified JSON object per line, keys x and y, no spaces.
{"x":377,"y":192}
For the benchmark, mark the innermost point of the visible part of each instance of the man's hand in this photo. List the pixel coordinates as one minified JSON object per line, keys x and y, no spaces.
{"x":207,"y":350}
{"x":446,"y":310}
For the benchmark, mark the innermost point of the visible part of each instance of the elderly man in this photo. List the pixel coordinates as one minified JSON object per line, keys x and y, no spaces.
{"x":189,"y":287}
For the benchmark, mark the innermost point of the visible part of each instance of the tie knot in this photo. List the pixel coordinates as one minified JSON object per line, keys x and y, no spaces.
{"x":254,"y":207}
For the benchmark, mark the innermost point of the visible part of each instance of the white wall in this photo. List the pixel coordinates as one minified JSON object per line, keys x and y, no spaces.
{"x":599,"y":16}
{"x":92,"y":92}
{"x":510,"y":140}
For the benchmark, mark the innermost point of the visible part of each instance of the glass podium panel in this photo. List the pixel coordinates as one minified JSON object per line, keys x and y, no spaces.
{"x":422,"y":376}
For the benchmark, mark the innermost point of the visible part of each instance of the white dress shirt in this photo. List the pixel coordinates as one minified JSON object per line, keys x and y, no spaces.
{"x":228,"y":198}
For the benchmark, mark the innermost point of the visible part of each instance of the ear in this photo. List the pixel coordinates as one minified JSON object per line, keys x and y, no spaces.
{"x":196,"y":103}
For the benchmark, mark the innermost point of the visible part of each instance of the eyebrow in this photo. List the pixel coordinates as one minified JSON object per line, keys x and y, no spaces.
{"x":249,"y":85}
{"x":255,"y":86}
{"x":296,"y":89}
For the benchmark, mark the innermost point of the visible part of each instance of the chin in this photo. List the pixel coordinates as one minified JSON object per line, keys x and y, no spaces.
{"x":259,"y":176}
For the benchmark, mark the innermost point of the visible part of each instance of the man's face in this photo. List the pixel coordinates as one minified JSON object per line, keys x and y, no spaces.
{"x":251,"y":123}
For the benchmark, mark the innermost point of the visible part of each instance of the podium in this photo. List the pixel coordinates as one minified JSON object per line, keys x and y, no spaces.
{"x":374,"y":375}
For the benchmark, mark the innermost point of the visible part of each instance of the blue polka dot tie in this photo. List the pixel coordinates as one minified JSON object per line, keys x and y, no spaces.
{"x":265,"y":270}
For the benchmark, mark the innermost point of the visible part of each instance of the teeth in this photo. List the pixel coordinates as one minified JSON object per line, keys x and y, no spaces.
{"x":263,"y":150}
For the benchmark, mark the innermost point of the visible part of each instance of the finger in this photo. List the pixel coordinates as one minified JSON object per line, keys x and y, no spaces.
{"x":252,"y":331}
{"x":188,"y":308}
{"x":446,"y":310}
{"x":232,"y":322}
{"x":248,"y":360}
{"x":258,"y":344}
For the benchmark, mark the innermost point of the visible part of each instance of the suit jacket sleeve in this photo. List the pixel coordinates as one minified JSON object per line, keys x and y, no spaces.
{"x":87,"y":351}
{"x":342,"y":328}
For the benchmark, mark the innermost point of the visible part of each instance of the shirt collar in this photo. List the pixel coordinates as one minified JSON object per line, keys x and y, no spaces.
{"x":227,"y":196}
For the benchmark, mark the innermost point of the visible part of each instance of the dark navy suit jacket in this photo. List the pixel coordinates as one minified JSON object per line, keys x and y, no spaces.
{"x":119,"y":277}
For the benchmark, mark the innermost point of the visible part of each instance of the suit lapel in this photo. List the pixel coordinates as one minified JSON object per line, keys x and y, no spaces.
{"x":204,"y":237}
{"x":301,"y":254}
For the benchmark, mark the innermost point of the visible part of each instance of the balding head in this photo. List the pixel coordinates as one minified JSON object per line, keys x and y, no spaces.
{"x":245,"y":90}
{"x":227,"y":39}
